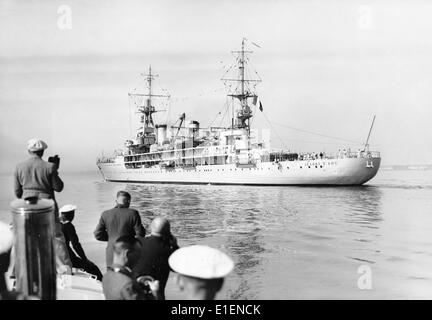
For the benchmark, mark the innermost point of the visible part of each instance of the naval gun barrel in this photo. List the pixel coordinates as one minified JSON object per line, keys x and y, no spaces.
{"x":35,"y":268}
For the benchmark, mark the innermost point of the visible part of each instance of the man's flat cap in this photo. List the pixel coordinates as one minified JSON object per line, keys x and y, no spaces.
{"x":200,"y":261}
{"x":36,"y":145}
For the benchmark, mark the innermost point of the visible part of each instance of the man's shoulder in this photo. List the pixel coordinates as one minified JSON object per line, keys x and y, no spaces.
{"x":118,"y":279}
{"x":113,"y":282}
{"x":35,"y":161}
{"x":120,"y":212}
{"x":109,"y":211}
{"x":127,"y":211}
{"x":133,"y":211}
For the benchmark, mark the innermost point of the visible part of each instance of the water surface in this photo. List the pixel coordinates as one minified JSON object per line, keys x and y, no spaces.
{"x":287,"y":242}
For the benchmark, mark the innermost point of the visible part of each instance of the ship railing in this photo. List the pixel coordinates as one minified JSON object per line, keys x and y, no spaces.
{"x":339,"y":155}
{"x":358,"y":154}
{"x":105,"y":160}
{"x":180,"y":158}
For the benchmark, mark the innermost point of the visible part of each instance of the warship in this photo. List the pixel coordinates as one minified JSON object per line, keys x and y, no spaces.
{"x":185,"y":152}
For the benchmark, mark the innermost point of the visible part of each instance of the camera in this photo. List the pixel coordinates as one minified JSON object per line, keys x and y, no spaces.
{"x":143,"y":281}
{"x":56,"y":160}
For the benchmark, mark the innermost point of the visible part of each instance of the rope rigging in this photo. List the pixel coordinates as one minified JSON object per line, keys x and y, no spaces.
{"x":316,"y":134}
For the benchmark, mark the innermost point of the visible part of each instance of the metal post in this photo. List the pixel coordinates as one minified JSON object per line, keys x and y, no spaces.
{"x":35,"y":268}
{"x":366,"y":147}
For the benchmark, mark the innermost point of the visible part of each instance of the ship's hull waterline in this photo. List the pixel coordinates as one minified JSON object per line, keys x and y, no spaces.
{"x":330,"y":172}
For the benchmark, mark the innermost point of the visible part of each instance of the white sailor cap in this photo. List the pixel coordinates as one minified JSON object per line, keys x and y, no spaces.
{"x":36,"y":145}
{"x":67,"y":208}
{"x":200,"y":261}
{"x":6,"y":237}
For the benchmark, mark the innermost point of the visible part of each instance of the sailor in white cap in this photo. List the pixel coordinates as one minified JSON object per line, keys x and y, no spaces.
{"x":35,"y":177}
{"x":76,"y":251}
{"x":200,"y":271}
{"x":6,"y":242}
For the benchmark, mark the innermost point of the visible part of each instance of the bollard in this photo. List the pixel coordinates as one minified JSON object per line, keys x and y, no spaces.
{"x":35,"y":269}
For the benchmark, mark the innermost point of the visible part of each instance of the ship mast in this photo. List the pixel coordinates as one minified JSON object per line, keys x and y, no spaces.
{"x":147,"y":109}
{"x":243,"y":91}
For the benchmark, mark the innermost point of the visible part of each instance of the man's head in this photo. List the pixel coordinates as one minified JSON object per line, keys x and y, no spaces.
{"x":36,"y":147}
{"x":200,"y":270}
{"x":123,"y":199}
{"x":160,"y":227}
{"x":67,"y":213}
{"x":6,"y":242}
{"x":198,"y":289}
{"x":127,"y":250}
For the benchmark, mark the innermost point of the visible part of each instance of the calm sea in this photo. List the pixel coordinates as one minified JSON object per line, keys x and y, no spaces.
{"x":287,"y":242}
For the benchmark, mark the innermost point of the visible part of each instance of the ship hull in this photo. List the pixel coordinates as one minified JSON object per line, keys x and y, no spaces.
{"x":348,"y":171}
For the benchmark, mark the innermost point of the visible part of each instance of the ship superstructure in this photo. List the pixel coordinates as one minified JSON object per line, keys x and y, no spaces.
{"x":184,"y":152}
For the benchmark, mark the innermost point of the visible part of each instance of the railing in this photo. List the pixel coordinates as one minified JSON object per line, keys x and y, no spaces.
{"x":340,"y":155}
{"x":105,"y":160}
{"x":358,"y":154}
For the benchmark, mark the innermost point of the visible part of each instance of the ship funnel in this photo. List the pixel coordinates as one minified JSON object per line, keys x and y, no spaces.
{"x":161,"y":133}
{"x":193,"y":127}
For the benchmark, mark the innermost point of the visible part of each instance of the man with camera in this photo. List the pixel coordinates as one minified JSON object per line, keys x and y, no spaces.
{"x":35,"y":177}
{"x":119,"y":282}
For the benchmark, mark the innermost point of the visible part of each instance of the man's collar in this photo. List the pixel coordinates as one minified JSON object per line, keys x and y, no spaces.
{"x":118,"y":268}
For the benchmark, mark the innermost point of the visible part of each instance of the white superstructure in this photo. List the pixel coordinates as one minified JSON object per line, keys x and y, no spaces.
{"x":186,"y":153}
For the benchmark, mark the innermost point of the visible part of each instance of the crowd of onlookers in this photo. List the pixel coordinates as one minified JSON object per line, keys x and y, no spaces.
{"x":138,"y":265}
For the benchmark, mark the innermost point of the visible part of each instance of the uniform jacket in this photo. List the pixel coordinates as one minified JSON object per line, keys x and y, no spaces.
{"x":119,"y":284}
{"x":36,"y":176}
{"x":115,"y":223}
{"x":72,"y":239}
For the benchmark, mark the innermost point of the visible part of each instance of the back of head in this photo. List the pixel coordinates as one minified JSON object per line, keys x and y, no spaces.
{"x":160,"y":227}
{"x":126,"y":250}
{"x":36,"y":146}
{"x":123,"y":199}
{"x":200,"y":289}
{"x":67,"y":212}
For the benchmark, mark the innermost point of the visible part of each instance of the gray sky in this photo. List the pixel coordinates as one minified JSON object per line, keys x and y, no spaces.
{"x":327,"y":67}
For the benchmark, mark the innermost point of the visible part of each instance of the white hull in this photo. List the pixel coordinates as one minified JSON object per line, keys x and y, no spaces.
{"x":348,"y":171}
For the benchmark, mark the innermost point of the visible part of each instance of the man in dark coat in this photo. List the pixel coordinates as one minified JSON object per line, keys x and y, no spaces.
{"x":119,"y":283}
{"x":155,"y":252}
{"x":76,"y":251}
{"x":38,"y":178}
{"x":117,"y":222}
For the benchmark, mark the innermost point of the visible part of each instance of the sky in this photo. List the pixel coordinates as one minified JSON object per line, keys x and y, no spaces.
{"x":327,"y":67}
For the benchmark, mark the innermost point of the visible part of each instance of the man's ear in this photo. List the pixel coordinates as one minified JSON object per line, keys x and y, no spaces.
{"x":178,"y":279}
{"x":219,"y":284}
{"x":125,"y":255}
